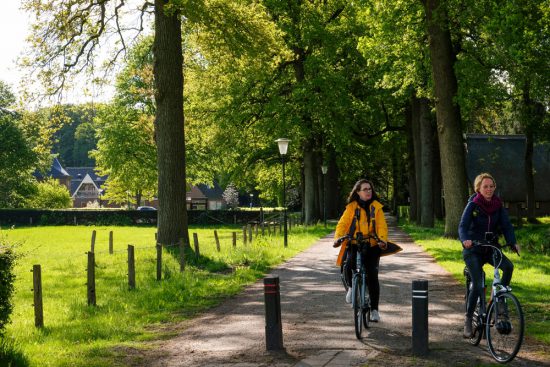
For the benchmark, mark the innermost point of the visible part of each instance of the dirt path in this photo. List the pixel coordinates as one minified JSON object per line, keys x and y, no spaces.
{"x":317,"y":323}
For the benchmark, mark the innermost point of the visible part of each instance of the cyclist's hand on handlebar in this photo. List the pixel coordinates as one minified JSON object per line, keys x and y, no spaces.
{"x":515,"y":248}
{"x":467,"y":243}
{"x":383,"y":245}
{"x":339,"y":241}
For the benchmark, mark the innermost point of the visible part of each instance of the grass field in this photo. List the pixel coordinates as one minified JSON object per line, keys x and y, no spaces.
{"x":76,"y":334}
{"x":531,"y":278}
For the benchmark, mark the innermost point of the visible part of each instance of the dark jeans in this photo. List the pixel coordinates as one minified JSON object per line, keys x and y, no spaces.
{"x":475,"y":259}
{"x":371,"y":259}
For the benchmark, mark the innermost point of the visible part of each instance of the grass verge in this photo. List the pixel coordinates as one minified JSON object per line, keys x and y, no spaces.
{"x":531,"y":279}
{"x":75,"y":334}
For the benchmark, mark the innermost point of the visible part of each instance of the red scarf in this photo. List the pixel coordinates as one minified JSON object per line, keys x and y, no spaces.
{"x":488,"y":206}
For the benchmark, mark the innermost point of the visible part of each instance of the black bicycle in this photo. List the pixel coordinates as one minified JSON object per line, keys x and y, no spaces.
{"x":360,"y":298}
{"x":501,"y":320}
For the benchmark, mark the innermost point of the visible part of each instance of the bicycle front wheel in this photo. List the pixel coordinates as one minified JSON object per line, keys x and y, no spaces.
{"x":505,"y":327}
{"x":477,"y":325}
{"x":357,"y":306}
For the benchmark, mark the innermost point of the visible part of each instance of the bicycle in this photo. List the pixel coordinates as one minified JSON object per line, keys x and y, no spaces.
{"x":359,"y":292}
{"x":502,"y":320}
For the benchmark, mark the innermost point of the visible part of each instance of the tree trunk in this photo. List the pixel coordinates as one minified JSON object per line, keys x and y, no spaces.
{"x":413,"y":202}
{"x":169,"y":122}
{"x":426,"y":159}
{"x":533,"y":116}
{"x":417,"y":145}
{"x":333,"y":189}
{"x":453,"y":169}
{"x":437,"y":199}
{"x":310,"y":180}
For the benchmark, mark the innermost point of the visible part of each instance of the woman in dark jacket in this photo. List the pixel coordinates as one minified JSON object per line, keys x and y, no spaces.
{"x":483,"y":218}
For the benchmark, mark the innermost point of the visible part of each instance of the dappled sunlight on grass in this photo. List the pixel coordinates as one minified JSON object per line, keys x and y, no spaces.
{"x":531,"y":279}
{"x":76,"y":334}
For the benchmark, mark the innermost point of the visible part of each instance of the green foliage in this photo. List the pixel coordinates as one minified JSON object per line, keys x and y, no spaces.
{"x":123,"y":317}
{"x":7,"y":279}
{"x":6,"y":95}
{"x":50,"y":195}
{"x":11,"y":354}
{"x":75,"y":138}
{"x":17,"y":162}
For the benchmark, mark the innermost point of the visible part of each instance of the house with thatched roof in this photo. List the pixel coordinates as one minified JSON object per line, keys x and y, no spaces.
{"x":503,"y":157}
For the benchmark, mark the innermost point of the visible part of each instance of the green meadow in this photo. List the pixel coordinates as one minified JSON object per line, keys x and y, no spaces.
{"x":75,"y":334}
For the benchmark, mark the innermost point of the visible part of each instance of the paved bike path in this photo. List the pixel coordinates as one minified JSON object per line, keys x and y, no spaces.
{"x":318,"y":324}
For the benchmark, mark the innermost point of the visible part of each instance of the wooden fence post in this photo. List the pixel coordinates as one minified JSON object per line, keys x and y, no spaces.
{"x":269,"y":229}
{"x":91,"y":279}
{"x":256,"y":230}
{"x":234,"y":239}
{"x":93,"y":241}
{"x":244,"y":235}
{"x":111,"y":242}
{"x":196,"y":243}
{"x":249,"y":233}
{"x":263,"y":228}
{"x":37,"y":289}
{"x":217,"y":240}
{"x":182,"y":254}
{"x":131,"y":267}
{"x":159,"y":261}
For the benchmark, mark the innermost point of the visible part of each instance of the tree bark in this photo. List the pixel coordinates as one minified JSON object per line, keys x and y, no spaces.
{"x":310,"y":180}
{"x":453,"y":169}
{"x":533,"y":116}
{"x":413,"y":202}
{"x":426,"y":159}
{"x":417,"y":145}
{"x":169,"y":123}
{"x":437,"y":199}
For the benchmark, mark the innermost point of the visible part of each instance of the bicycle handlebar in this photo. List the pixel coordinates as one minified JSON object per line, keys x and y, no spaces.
{"x":340,"y":240}
{"x":485,"y":243}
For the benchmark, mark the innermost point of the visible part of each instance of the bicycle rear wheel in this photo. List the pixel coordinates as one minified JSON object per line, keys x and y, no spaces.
{"x":477,"y":325}
{"x":357,"y":306}
{"x":505,"y":329}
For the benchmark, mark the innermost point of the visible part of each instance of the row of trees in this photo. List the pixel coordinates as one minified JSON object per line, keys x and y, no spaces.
{"x":378,"y":89}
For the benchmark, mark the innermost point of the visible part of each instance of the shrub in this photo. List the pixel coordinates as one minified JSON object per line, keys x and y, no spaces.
{"x":7,"y":278}
{"x":51,"y":195}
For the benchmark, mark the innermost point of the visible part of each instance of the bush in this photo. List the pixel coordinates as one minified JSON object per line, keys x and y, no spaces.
{"x":51,"y":195}
{"x":7,"y":278}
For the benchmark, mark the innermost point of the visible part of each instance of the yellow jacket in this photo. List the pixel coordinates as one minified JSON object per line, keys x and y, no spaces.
{"x":343,"y":226}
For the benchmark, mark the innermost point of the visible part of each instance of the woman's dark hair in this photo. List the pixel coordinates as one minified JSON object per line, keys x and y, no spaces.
{"x":354,"y":196}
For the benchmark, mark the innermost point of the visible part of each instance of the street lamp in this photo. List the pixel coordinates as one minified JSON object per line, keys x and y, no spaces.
{"x":283,"y":147}
{"x":251,"y":199}
{"x":324,"y":169}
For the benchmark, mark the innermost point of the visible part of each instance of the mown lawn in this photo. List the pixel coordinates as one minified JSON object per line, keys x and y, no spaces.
{"x":531,"y":279}
{"x":76,"y":334}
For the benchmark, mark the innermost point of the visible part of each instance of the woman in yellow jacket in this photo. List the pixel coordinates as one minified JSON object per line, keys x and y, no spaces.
{"x":371,"y":221}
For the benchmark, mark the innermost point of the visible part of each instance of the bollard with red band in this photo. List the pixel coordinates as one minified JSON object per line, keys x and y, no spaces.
{"x":273,"y":324}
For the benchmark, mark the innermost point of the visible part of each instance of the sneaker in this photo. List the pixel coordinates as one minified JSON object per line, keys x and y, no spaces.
{"x":348,"y":296}
{"x":374,"y":316}
{"x":468,"y":327}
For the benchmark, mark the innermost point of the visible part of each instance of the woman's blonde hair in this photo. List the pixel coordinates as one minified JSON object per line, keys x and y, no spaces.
{"x":480,"y":178}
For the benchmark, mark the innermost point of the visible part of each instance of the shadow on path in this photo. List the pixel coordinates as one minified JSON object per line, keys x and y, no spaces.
{"x":318,"y":324}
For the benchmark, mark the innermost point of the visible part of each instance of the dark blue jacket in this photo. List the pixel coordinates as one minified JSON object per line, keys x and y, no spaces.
{"x":475,"y":222}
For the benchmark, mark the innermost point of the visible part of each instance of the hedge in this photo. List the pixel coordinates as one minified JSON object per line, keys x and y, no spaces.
{"x":7,"y":277}
{"x":128,"y":217}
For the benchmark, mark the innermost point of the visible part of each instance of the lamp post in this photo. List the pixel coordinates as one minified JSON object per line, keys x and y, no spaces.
{"x":251,"y":199}
{"x":324,"y":169}
{"x":283,"y":147}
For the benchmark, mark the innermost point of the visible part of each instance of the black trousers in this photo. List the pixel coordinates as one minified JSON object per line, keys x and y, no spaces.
{"x":371,"y":260}
{"x":475,"y":259}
